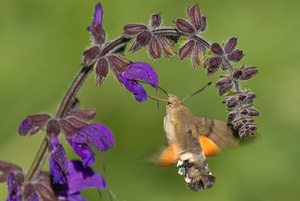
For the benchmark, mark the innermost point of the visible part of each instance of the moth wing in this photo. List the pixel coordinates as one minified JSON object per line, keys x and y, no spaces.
{"x":169,"y":155}
{"x":218,"y":132}
{"x":213,"y":135}
{"x":208,"y":147}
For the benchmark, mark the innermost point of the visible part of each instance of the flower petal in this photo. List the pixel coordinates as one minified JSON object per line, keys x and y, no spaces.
{"x":14,"y":190}
{"x":81,"y":177}
{"x":141,"y":71}
{"x":85,"y":153}
{"x":58,"y":161}
{"x":32,"y":124}
{"x":106,"y":138}
{"x":136,"y":88}
{"x":98,"y":15}
{"x":32,"y":197}
{"x":97,"y":135}
{"x":26,"y":128}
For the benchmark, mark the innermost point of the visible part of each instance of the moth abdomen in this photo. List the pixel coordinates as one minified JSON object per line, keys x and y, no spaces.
{"x":197,"y":175}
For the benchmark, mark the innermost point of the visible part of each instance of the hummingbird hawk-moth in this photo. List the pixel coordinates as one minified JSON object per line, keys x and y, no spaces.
{"x":191,"y":139}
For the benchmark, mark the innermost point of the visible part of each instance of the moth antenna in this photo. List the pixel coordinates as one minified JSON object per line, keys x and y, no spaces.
{"x":163,"y":90}
{"x":157,"y":102}
{"x":110,"y":195}
{"x":102,"y":159}
{"x":159,"y":99}
{"x":157,"y":87}
{"x":100,"y":194}
{"x":201,"y":89}
{"x":156,"y":98}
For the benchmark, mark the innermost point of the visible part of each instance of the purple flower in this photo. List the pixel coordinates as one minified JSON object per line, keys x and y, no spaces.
{"x":14,"y":189}
{"x":85,"y":152}
{"x":32,"y":124}
{"x":96,"y":135}
{"x":139,"y":71}
{"x":32,"y":197}
{"x":98,"y":16}
{"x":124,"y":70}
{"x":136,"y":88}
{"x":79,"y":178}
{"x":58,"y":161}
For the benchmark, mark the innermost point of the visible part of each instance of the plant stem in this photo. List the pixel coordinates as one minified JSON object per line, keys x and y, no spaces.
{"x":67,"y":101}
{"x":42,"y":152}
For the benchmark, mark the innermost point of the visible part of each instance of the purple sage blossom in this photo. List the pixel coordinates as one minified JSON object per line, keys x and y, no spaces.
{"x":125,"y":71}
{"x":43,"y":187}
{"x":96,"y":135}
{"x":32,"y":197}
{"x":79,"y":178}
{"x":33,"y":124}
{"x":139,"y":71}
{"x":14,"y":189}
{"x":58,"y":161}
{"x":98,"y":16}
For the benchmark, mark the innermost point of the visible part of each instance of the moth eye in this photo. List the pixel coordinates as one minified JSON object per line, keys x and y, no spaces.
{"x":169,"y":104}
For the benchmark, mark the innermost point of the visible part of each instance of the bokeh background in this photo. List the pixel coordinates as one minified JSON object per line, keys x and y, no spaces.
{"x":40,"y":52}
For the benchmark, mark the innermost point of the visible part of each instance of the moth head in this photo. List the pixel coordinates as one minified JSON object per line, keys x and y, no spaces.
{"x":174,"y":100}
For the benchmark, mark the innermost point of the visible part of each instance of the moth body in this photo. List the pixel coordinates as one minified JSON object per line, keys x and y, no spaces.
{"x":181,"y":129}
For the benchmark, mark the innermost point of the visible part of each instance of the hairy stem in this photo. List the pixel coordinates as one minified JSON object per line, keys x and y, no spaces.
{"x":64,"y":107}
{"x":230,"y":68}
{"x":42,"y":152}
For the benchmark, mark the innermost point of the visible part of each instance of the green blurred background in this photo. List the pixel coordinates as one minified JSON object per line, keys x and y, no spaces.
{"x":40,"y":49}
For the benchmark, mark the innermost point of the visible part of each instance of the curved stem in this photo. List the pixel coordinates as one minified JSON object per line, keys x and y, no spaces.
{"x":38,"y":161}
{"x":42,"y":152}
{"x":201,"y":41}
{"x":72,"y":91}
{"x":230,"y":68}
{"x":167,"y":31}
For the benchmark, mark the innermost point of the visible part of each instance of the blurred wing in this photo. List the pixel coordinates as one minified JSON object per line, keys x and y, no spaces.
{"x":169,"y":156}
{"x":208,"y":147}
{"x":218,"y":132}
{"x":213,"y":135}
